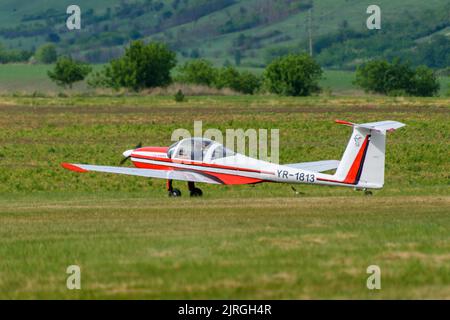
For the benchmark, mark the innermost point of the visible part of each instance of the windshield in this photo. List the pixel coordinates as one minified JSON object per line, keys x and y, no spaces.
{"x":172,"y":149}
{"x":221,"y":152}
{"x":191,"y":149}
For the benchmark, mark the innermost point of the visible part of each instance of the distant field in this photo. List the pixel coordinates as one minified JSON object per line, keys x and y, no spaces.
{"x":22,"y":78}
{"x":262,"y":241}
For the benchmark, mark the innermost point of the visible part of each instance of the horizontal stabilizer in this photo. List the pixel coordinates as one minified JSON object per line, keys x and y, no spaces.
{"x":316,"y":166}
{"x":380,"y":126}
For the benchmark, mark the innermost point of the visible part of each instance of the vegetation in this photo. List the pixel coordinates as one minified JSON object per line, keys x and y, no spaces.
{"x":179,"y":96}
{"x":293,"y":75}
{"x":46,"y":54}
{"x":202,"y":72}
{"x":68,"y":71}
{"x":397,"y":78}
{"x":222,"y":30}
{"x":197,"y":71}
{"x":10,"y":56}
{"x":142,"y":66}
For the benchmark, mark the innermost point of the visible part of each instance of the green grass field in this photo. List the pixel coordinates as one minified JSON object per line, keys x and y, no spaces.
{"x":261,"y":241}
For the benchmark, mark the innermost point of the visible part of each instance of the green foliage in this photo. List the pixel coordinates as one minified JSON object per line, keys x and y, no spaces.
{"x":8,"y":56}
{"x":46,"y":54}
{"x":396,"y":78}
{"x":142,"y":66}
{"x":199,"y":71}
{"x":293,"y":75}
{"x":244,"y":82}
{"x":424,"y":83}
{"x":68,"y":71}
{"x":179,"y":96}
{"x":249,"y":83}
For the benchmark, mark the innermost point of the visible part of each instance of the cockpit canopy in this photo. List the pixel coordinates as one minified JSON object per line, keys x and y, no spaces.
{"x":198,"y":149}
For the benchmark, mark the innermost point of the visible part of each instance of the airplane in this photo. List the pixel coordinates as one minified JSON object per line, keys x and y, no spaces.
{"x":200,"y":160}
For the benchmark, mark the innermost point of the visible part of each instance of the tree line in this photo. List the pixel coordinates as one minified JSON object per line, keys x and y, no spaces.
{"x":151,"y":65}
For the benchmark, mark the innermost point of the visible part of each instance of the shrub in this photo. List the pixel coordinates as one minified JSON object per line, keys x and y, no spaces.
{"x":396,"y":78}
{"x":179,"y":96}
{"x":46,"y":54}
{"x":142,"y":66}
{"x":198,"y":71}
{"x":293,"y":75}
{"x":68,"y":71}
{"x":245,"y":82}
{"x":424,"y":83}
{"x":249,"y":83}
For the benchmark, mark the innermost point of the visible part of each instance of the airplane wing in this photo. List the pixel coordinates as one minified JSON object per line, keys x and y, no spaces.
{"x":316,"y":166}
{"x":150,"y":173}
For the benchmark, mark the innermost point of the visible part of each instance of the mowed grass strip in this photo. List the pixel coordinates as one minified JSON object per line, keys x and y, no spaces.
{"x":220,"y":248}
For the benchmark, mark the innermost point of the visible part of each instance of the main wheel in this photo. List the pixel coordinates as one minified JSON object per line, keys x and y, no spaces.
{"x":175,"y":193}
{"x":196,"y":192}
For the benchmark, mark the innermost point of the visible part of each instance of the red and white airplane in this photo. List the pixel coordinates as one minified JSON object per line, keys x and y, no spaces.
{"x":206,"y":161}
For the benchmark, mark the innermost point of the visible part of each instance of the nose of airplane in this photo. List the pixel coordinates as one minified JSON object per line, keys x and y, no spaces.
{"x":127,"y":153}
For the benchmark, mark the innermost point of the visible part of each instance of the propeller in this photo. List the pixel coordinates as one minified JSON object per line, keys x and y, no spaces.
{"x":139,"y":145}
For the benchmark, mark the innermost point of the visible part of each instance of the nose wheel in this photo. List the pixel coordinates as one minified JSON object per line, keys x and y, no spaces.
{"x":174,"y":192}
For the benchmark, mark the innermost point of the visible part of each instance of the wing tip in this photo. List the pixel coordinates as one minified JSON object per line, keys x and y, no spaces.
{"x":72,"y":167}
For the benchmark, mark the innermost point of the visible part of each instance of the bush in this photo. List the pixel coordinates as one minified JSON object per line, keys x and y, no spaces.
{"x":249,"y":83}
{"x":142,"y":66}
{"x":199,"y":71}
{"x":46,"y":54}
{"x":245,"y":82}
{"x":293,"y":75}
{"x":179,"y":96}
{"x":380,"y":76}
{"x":202,"y":72}
{"x":424,"y":83}
{"x":68,"y":71}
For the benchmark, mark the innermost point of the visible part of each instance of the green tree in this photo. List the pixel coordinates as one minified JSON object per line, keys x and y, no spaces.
{"x":230,"y":77}
{"x":249,"y":83}
{"x":199,"y":71}
{"x":396,"y":78}
{"x":424,"y":83}
{"x":142,"y":66}
{"x":293,"y":75}
{"x":46,"y":54}
{"x":68,"y":71}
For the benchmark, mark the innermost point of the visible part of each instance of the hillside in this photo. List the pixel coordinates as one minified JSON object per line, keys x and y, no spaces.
{"x":248,"y":33}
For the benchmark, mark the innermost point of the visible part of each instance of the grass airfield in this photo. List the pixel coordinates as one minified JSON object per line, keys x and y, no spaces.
{"x":257,"y":242}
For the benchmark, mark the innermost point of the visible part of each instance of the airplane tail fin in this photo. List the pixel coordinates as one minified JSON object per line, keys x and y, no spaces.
{"x":363,"y":160}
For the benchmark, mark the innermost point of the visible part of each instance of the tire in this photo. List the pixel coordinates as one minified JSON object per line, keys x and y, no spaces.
{"x":196,"y":192}
{"x":175,"y":193}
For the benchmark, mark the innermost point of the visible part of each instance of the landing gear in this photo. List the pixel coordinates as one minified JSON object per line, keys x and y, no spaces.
{"x":366,"y":192}
{"x":174,"y":192}
{"x":195,"y":192}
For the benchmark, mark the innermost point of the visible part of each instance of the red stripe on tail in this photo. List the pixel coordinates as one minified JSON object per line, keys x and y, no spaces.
{"x":352,"y":174}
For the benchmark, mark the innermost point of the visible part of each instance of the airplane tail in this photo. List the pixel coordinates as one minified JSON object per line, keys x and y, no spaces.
{"x":363,"y":161}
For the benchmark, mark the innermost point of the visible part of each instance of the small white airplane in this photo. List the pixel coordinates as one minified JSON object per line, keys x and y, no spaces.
{"x":206,"y":161}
